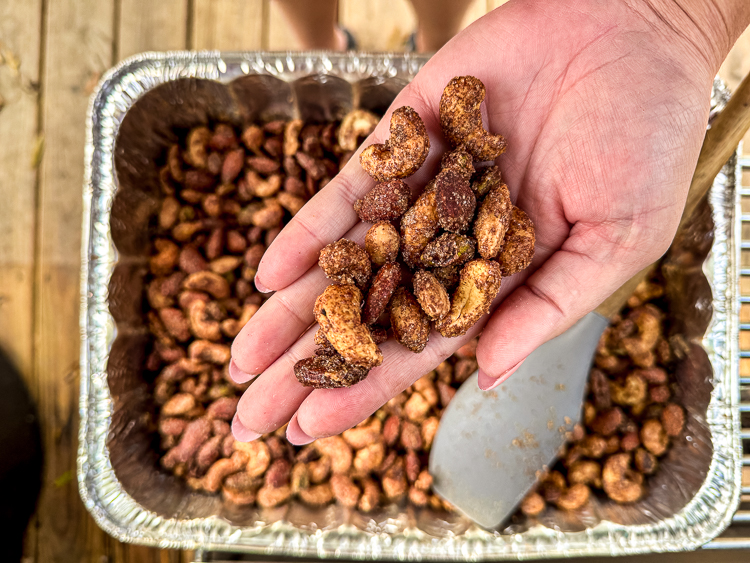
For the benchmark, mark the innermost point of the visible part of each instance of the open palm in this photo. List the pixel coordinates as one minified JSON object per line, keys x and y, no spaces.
{"x":603,"y":111}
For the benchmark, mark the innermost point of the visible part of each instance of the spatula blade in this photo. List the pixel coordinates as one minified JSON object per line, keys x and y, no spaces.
{"x":491,"y":444}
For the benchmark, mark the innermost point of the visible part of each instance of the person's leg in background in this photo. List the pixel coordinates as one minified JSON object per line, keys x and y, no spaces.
{"x":437,"y":22}
{"x":314,"y":23}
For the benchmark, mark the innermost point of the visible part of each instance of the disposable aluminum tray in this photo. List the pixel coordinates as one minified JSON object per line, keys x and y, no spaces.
{"x":132,"y":119}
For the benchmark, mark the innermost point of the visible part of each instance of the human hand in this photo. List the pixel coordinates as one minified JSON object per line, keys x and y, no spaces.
{"x":603,"y":106}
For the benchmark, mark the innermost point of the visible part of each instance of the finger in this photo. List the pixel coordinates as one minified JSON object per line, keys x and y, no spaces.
{"x":328,"y":215}
{"x":588,"y":268}
{"x":274,"y":396}
{"x":281,"y":319}
{"x":326,"y":412}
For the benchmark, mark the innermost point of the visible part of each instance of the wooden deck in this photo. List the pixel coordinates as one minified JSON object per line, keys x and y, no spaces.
{"x":52,"y":53}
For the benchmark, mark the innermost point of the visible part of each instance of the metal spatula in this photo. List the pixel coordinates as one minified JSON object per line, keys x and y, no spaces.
{"x":491,"y":446}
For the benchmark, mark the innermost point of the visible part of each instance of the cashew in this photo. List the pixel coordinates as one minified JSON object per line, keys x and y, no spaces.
{"x":345,"y":262}
{"x":480,"y":283}
{"x":418,"y":225}
{"x":382,"y":242}
{"x":209,"y":282}
{"x":337,"y":311}
{"x":357,"y":124}
{"x":620,"y":482}
{"x":403,"y":153}
{"x":410,"y":324}
{"x":518,"y":245}
{"x":493,"y":219}
{"x":461,"y":119}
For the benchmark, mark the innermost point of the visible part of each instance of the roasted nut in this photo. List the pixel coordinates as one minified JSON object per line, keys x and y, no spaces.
{"x":317,"y":495}
{"x":593,"y":446}
{"x":222,"y":469}
{"x":163,"y":262}
{"x":381,"y":243}
{"x":179,"y":405}
{"x":196,"y":153}
{"x":223,"y":408}
{"x":431,"y":295}
{"x":175,"y":323}
{"x":449,"y":249}
{"x":202,"y":322}
{"x":455,"y":201}
{"x":607,"y":422}
{"x":394,"y":481}
{"x":337,"y":312}
{"x":461,"y":119}
{"x":211,"y":352}
{"x":208,"y":282}
{"x":632,"y":392}
{"x":485,"y":179}
{"x":493,"y":219}
{"x":533,"y":504}
{"x":403,"y":153}
{"x":518,"y":246}
{"x":574,"y":498}
{"x":586,"y":472}
{"x":364,"y":434}
{"x":416,"y":408}
{"x":269,"y":497}
{"x":356,"y":125}
{"x":418,"y":225}
{"x":410,"y":324}
{"x":645,"y":461}
{"x":339,"y":452}
{"x":195,"y":435}
{"x":385,"y":202}
{"x":480,"y":283}
{"x":345,"y":491}
{"x":653,"y":437}
{"x":411,"y":436}
{"x":291,"y":136}
{"x":428,"y":430}
{"x":345,"y":262}
{"x":290,"y":202}
{"x":370,"y":495}
{"x":673,"y":419}
{"x":412,"y":466}
{"x":619,"y":481}
{"x":383,"y":285}
{"x":460,"y":161}
{"x":553,"y":486}
{"x":328,"y":372}
{"x":391,"y":430}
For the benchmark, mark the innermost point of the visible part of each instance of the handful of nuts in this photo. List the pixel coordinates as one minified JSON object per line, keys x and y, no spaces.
{"x":428,"y":275}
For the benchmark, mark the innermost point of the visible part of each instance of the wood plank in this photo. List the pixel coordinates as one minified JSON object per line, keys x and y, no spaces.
{"x":227,"y":25}
{"x":737,"y":63}
{"x":744,"y":285}
{"x":378,"y":25}
{"x":745,"y":340}
{"x":151,"y":26}
{"x":744,"y":367}
{"x":78,"y":49}
{"x":20,"y":40}
{"x":745,"y":313}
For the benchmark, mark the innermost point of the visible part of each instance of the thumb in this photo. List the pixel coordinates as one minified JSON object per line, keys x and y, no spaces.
{"x":588,"y":268}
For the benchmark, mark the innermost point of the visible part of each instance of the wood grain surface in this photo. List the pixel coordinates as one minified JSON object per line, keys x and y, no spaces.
{"x":52,"y":54}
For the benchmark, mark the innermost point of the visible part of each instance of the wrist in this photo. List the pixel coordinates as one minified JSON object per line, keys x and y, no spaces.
{"x":708,"y":27}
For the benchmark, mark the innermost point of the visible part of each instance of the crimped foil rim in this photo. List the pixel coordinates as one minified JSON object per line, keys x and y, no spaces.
{"x":702,"y":519}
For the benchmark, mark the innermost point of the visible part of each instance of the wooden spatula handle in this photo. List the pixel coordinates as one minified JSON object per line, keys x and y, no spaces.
{"x":720,"y":142}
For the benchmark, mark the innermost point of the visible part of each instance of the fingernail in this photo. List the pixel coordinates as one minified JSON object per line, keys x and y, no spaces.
{"x":241,"y":433}
{"x":237,"y":375}
{"x":487,"y":382}
{"x":260,"y":287}
{"x":295,"y":434}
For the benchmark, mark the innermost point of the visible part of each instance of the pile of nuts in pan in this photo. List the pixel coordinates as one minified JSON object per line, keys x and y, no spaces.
{"x":630,"y":415}
{"x":462,"y":212}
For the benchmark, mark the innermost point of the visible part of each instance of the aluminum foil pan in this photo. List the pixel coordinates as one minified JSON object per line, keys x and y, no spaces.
{"x":132,"y":118}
